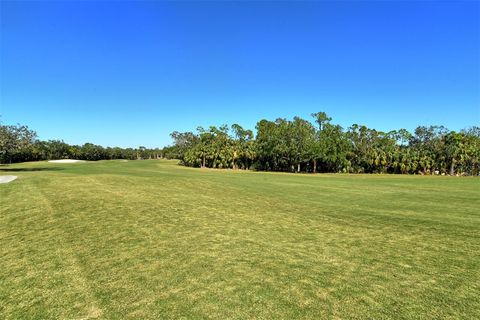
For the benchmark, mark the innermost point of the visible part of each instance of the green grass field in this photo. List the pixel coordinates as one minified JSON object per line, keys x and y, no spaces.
{"x":154,"y":240}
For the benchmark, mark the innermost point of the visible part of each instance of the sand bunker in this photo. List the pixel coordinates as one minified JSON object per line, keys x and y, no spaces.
{"x":65,"y":161}
{"x":7,"y":179}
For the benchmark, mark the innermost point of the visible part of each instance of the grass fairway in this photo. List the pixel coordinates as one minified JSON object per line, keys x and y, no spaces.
{"x":151,"y":239}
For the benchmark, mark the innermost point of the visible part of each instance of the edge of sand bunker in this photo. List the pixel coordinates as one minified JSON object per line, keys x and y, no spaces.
{"x":66,"y":161}
{"x":7,"y":179}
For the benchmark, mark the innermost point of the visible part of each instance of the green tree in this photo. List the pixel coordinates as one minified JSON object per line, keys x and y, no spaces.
{"x":13,"y":139}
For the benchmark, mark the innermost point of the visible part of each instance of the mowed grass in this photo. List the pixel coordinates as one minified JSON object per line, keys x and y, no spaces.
{"x":154,"y":240}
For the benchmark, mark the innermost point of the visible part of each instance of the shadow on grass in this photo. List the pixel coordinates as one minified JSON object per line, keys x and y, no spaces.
{"x":30,"y":169}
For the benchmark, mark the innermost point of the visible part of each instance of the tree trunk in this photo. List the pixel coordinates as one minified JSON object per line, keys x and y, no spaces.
{"x":314,"y":165}
{"x":452,"y":168}
{"x":298,"y":168}
{"x":203,"y":161}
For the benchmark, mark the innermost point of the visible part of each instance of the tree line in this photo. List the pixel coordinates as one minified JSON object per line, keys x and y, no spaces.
{"x":18,"y":143}
{"x":296,"y":145}
{"x":299,"y":145}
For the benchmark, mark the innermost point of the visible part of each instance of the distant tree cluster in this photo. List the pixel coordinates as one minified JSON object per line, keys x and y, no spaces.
{"x":18,"y":143}
{"x":301,"y":146}
{"x":214,"y":148}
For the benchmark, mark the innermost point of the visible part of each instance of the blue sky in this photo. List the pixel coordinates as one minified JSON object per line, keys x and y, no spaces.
{"x":129,"y":73}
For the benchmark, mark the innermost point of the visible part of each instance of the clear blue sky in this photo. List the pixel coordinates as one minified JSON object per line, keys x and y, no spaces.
{"x":129,"y":73}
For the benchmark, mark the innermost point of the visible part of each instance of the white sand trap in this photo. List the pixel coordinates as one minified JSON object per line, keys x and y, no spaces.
{"x":7,"y":179}
{"x":65,"y":161}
